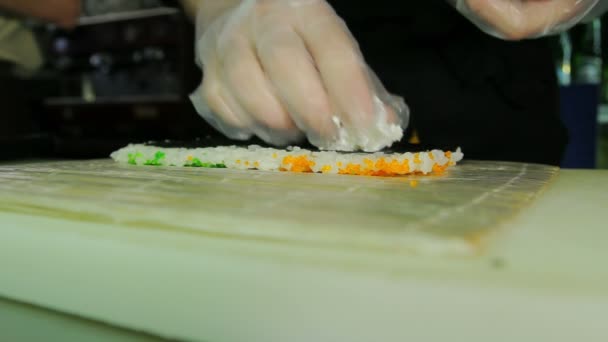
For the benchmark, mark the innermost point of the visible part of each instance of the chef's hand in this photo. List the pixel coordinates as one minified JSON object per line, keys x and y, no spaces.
{"x":520,"y":19}
{"x":285,"y":69}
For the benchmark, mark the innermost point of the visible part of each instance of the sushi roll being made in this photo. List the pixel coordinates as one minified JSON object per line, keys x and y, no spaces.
{"x":291,"y":160}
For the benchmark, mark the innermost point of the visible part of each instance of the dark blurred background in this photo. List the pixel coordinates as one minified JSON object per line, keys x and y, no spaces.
{"x":124,"y":74}
{"x":581,"y":61}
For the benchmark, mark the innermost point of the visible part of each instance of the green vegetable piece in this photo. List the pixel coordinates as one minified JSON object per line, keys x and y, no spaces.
{"x":157,"y":161}
{"x":198,"y":163}
{"x":133,"y":158}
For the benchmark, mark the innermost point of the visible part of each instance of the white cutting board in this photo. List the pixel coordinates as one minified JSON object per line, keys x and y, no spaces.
{"x":541,"y":278}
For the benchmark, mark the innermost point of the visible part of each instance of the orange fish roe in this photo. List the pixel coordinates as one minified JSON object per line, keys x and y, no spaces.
{"x":439,"y":168}
{"x":351,"y":169}
{"x":381,"y":164}
{"x":380,"y":174}
{"x":299,"y":163}
{"x":381,"y":168}
{"x":448,"y":154}
{"x":394,"y":166}
{"x":406,"y":166}
{"x":367,"y":167}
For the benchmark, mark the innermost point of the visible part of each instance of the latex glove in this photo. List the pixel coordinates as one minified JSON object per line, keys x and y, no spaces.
{"x":519,"y":19}
{"x":285,"y":69}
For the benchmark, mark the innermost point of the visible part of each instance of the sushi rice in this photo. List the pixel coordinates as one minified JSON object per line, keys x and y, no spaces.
{"x":292,"y":159}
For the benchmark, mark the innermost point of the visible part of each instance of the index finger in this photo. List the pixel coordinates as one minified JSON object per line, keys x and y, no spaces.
{"x":340,"y":64}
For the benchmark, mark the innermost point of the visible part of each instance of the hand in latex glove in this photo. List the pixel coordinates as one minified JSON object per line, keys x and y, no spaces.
{"x":519,"y":19}
{"x":285,"y":69}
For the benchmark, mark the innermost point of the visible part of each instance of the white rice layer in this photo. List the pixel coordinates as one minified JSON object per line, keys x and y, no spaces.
{"x":291,"y":159}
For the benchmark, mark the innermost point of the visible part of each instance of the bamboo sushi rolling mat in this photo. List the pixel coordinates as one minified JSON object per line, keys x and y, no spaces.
{"x":447,"y":214}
